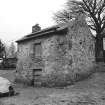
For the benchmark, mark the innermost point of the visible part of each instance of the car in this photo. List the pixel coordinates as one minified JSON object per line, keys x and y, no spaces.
{"x":6,"y":87}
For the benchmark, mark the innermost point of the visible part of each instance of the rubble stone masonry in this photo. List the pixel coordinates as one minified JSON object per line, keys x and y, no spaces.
{"x":68,"y":54}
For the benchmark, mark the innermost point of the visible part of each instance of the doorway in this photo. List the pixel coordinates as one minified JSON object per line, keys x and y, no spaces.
{"x":36,"y":77}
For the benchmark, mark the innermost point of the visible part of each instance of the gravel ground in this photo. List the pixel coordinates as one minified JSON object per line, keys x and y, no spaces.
{"x":87,"y":92}
{"x":51,"y":96}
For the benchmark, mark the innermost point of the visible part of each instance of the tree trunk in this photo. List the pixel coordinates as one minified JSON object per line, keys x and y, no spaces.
{"x":99,"y":49}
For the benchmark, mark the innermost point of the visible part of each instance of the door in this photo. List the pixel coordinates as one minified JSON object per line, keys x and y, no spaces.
{"x":36,"y":77}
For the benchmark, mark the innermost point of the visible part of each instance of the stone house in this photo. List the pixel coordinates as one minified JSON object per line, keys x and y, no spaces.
{"x":63,"y":50}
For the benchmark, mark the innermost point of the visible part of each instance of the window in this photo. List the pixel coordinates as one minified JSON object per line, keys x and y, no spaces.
{"x":37,"y":50}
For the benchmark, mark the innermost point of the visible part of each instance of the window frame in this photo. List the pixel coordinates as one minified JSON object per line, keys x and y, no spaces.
{"x":34,"y":50}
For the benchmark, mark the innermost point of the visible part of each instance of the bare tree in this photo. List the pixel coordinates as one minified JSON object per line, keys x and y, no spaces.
{"x":94,"y":10}
{"x":62,"y":16}
{"x":2,"y":50}
{"x":12,"y":50}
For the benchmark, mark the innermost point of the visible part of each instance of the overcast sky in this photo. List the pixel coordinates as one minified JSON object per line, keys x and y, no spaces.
{"x":18,"y":16}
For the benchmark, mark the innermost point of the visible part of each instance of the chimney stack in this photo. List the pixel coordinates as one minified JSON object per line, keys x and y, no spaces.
{"x":36,"y":28}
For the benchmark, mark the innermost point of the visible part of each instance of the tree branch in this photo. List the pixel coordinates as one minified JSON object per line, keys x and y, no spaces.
{"x":92,"y":27}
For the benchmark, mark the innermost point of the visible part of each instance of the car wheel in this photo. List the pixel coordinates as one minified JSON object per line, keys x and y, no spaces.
{"x":11,"y":91}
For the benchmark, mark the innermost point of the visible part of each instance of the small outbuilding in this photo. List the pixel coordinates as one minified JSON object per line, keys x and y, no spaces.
{"x":56,"y":54}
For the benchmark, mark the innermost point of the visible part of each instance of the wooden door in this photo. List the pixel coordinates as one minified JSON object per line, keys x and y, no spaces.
{"x":36,"y":77}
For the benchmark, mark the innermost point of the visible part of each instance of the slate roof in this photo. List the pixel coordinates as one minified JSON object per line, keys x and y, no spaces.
{"x":44,"y":32}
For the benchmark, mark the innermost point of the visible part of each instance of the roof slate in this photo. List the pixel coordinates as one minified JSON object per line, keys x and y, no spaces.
{"x":44,"y":32}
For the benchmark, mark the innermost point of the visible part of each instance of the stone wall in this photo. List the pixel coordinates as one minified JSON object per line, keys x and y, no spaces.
{"x":70,"y":57}
{"x":26,"y":61}
{"x":64,"y":57}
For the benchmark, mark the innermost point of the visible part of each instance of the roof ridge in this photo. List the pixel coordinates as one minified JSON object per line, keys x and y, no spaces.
{"x":51,"y":29}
